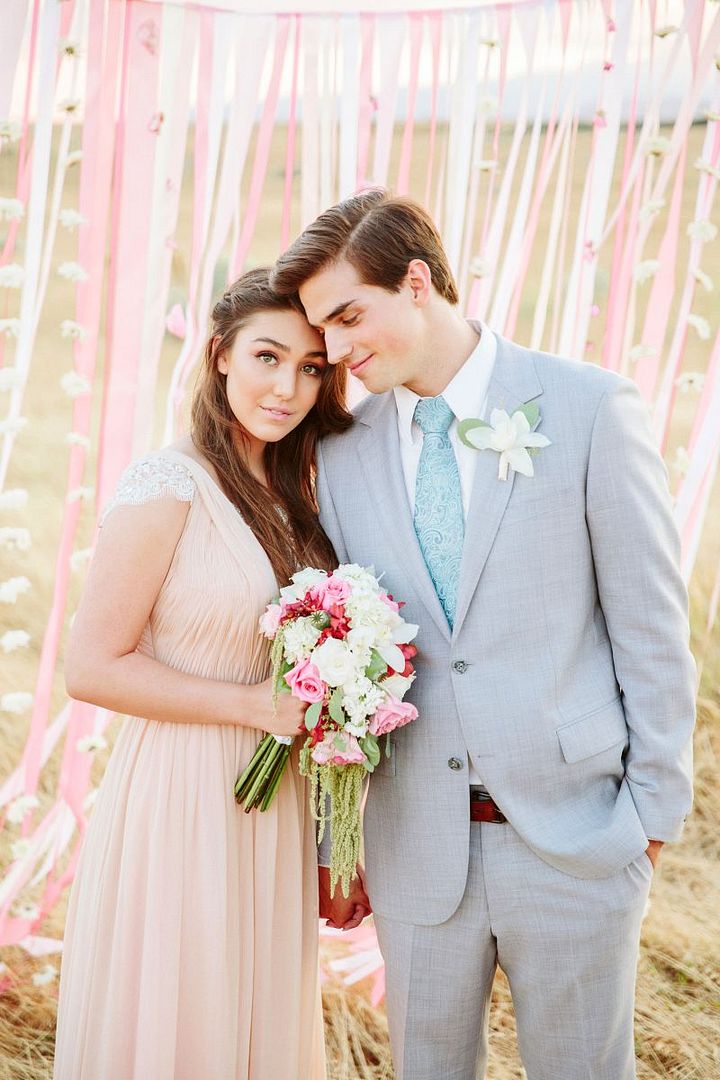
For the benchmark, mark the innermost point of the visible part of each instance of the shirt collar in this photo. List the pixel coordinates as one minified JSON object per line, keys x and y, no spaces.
{"x":466,"y":391}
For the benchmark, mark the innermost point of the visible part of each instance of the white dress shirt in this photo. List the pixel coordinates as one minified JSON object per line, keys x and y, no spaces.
{"x":466,"y":394}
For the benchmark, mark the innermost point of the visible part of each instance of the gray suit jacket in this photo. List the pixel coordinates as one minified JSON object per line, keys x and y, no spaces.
{"x":567,"y":677}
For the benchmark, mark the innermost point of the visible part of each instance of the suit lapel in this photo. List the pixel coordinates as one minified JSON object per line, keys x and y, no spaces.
{"x":379,"y":452}
{"x":514,"y":382}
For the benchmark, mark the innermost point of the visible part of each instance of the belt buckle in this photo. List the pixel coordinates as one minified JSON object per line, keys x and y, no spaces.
{"x":478,"y":794}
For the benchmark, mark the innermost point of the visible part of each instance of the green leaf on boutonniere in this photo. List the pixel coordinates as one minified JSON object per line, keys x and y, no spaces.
{"x":335,"y":707}
{"x":531,"y":413}
{"x":312,"y":715}
{"x":370,"y":749}
{"x":469,"y":425}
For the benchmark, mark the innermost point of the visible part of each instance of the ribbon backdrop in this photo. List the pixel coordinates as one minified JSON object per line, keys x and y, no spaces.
{"x":566,"y":230}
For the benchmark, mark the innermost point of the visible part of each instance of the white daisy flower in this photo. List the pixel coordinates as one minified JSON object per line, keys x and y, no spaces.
{"x":81,"y":494}
{"x":702,"y":165}
{"x":10,"y":130}
{"x":13,"y":499}
{"x":11,"y":210}
{"x":657,"y":145}
{"x":15,"y":539}
{"x":71,"y":218}
{"x":73,"y":438}
{"x":12,"y":588}
{"x":480,"y":267}
{"x":72,"y":271}
{"x":47,"y":975}
{"x":690,"y":380}
{"x":10,"y":327}
{"x":641,"y":352}
{"x":11,"y":276}
{"x":486,"y":165}
{"x":17,"y":703}
{"x":27,"y":911}
{"x":74,"y":158}
{"x":702,"y":278}
{"x":643,"y":271}
{"x":20,"y":848}
{"x":653,"y":206}
{"x":13,"y":425}
{"x":71,"y":329}
{"x":10,"y":378}
{"x":14,"y":639}
{"x":19,"y":808}
{"x":702,"y":326}
{"x":88,"y":743}
{"x":702,"y":230}
{"x":75,"y":385}
{"x":79,"y":558}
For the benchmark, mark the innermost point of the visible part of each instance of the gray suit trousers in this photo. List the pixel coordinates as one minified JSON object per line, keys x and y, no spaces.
{"x":568,"y":946}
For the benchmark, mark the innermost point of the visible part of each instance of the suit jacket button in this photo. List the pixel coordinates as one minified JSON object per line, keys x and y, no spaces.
{"x":456,"y":764}
{"x":460,"y":666}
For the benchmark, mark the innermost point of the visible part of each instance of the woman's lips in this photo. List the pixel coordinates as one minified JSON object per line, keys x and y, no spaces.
{"x":276,"y":414}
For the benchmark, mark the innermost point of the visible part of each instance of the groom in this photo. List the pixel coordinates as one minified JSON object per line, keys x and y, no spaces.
{"x":518,"y":820}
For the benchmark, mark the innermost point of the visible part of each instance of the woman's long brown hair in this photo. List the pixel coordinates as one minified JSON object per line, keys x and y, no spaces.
{"x":289,"y":463}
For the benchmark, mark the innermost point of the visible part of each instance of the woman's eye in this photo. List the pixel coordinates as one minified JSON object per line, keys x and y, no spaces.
{"x":349,"y":322}
{"x":267,"y":358}
{"x":311,"y":369}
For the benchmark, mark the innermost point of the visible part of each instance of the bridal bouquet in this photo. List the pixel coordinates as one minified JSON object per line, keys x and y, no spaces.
{"x":340,"y":644}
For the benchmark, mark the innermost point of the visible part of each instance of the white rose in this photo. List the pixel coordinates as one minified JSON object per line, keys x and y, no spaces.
{"x":335,"y":662}
{"x":398,"y":685}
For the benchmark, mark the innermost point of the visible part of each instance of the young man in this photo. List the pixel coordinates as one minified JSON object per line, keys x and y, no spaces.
{"x":518,"y":820}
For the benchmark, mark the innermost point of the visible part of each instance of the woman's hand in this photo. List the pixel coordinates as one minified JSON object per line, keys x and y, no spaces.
{"x":287,"y":717}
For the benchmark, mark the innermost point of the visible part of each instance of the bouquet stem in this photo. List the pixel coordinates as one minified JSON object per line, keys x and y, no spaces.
{"x":257,"y":786}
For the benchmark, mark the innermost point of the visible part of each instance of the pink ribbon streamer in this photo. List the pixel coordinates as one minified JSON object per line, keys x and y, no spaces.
{"x":262,"y":153}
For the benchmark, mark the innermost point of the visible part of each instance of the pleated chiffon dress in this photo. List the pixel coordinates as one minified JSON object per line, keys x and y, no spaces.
{"x":191,"y":941}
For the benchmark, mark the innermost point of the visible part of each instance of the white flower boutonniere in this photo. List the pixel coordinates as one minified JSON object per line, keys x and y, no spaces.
{"x":512,"y":437}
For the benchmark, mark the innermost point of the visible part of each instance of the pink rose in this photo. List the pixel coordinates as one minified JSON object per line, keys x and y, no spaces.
{"x":393,"y":714}
{"x":270,"y":620}
{"x":327,"y":753}
{"x":392,"y":604}
{"x":330,"y":593}
{"x":305,"y":682}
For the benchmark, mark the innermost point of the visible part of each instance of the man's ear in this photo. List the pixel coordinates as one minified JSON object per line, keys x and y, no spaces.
{"x":419,"y":280}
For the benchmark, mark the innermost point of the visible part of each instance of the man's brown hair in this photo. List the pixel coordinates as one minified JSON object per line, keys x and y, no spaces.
{"x":379,"y":234}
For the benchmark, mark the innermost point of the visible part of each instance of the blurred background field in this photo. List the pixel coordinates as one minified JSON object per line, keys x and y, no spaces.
{"x":678,"y":1004}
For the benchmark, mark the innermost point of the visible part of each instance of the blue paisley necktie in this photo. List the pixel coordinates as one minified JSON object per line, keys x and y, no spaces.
{"x":438,"y":520}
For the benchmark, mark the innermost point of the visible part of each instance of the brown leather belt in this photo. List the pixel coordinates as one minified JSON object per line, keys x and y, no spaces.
{"x":482,"y":807}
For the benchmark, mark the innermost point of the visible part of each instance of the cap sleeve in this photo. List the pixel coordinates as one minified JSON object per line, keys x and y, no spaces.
{"x":152,"y":477}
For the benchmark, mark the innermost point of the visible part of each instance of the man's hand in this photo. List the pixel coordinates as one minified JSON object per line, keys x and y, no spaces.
{"x":342,"y":913}
{"x":653,"y":850}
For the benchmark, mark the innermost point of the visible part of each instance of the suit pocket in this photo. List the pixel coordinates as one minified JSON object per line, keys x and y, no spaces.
{"x":593,"y":732}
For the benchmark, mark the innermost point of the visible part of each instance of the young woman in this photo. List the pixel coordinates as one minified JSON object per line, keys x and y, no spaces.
{"x":191,"y":937}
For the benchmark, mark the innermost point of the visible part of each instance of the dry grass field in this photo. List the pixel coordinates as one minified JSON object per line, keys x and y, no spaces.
{"x":678,"y":1003}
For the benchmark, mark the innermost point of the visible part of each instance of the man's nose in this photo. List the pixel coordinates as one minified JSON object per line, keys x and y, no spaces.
{"x":337,"y":346}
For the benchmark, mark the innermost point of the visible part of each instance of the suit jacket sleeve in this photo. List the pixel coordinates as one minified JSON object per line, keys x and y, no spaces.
{"x":636,"y":549}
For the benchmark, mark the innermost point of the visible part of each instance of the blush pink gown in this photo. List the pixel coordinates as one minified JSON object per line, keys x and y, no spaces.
{"x":192,"y":931}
